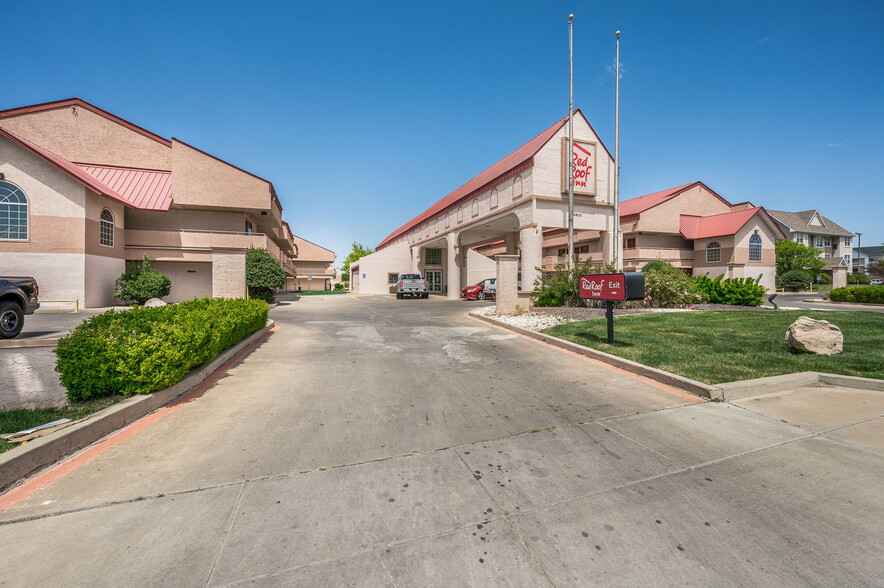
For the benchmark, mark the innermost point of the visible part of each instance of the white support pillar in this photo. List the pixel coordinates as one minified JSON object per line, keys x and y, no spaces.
{"x":531,"y":238}
{"x":609,"y":248}
{"x":507,"y":296}
{"x":415,"y":257}
{"x":453,"y":266}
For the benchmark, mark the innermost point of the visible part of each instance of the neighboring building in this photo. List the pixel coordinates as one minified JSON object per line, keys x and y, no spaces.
{"x":810,"y":228}
{"x":314,"y":267}
{"x":513,"y":202}
{"x":864,"y":256}
{"x":83,"y":191}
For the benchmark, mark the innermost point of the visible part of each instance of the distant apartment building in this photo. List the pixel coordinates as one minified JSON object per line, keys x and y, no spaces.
{"x":314,"y":267}
{"x":810,"y":228}
{"x":865,"y":256}
{"x":83,"y":191}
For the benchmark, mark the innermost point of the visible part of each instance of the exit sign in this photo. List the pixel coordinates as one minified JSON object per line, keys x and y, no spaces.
{"x":614,"y":287}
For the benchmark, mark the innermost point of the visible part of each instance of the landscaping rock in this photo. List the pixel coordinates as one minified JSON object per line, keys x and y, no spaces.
{"x":154,"y":302}
{"x":812,"y":336}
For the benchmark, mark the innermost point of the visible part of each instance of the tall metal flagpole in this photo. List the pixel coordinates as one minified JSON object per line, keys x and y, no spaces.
{"x":570,"y":156}
{"x":618,"y":257}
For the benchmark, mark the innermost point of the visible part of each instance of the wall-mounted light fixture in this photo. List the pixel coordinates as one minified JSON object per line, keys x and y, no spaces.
{"x":2,"y":176}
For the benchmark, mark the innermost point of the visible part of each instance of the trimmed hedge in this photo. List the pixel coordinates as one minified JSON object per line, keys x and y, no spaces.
{"x":867,"y":294}
{"x":143,"y":350}
{"x":735,"y":291}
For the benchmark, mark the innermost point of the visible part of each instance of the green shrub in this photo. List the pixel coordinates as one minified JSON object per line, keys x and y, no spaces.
{"x":735,"y":291}
{"x":142,"y":350}
{"x":669,"y":287}
{"x":858,"y":278}
{"x":339,"y":286}
{"x":824,"y":279}
{"x":561,"y":288}
{"x":866,"y":294}
{"x":655,"y":265}
{"x":263,"y":274}
{"x":794,"y":280}
{"x":142,"y":284}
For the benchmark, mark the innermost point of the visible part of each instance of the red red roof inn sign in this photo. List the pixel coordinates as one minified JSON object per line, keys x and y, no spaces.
{"x":582,"y":160}
{"x":612,"y":288}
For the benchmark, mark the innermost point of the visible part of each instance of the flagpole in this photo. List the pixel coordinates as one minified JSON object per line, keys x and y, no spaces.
{"x":617,"y":245}
{"x":570,"y":156}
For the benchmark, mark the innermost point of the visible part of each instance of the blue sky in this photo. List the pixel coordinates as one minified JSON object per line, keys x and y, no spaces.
{"x":363,"y":114}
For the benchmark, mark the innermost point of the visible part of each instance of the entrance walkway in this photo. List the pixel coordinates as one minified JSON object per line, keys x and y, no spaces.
{"x":381,"y":442}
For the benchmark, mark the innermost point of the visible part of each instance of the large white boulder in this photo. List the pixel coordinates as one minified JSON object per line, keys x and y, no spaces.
{"x":154,"y":302}
{"x":812,"y":336}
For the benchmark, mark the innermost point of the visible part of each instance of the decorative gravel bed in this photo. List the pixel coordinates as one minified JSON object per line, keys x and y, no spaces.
{"x":540,"y":318}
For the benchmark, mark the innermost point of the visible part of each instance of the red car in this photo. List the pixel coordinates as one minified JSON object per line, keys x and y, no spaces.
{"x":481,"y":291}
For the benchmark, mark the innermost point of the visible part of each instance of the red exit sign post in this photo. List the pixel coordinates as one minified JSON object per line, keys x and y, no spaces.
{"x":612,"y":288}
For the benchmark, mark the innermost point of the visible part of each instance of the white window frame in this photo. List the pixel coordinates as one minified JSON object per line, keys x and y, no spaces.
{"x":716,"y":250}
{"x":818,"y":242}
{"x":106,"y":228}
{"x":799,"y":238}
{"x":755,"y":248}
{"x":10,"y":189}
{"x":848,"y":241}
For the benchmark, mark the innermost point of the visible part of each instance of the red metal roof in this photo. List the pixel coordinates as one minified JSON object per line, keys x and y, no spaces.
{"x":67,"y":167}
{"x":144,"y":189}
{"x":716,"y":225}
{"x":83,"y":104}
{"x":520,"y":159}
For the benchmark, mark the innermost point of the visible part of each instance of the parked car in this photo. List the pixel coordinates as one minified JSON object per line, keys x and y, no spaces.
{"x":18,"y":297}
{"x":412,"y":285}
{"x":487,"y":288}
{"x":877,"y":282}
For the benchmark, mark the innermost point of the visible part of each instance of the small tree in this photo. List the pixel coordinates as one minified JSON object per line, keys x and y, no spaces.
{"x":358,"y":252}
{"x":797,"y":256}
{"x":263,"y":274}
{"x":142,"y":284}
{"x":561,"y":288}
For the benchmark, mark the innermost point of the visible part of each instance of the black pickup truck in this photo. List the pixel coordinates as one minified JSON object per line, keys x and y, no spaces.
{"x":18,"y":297}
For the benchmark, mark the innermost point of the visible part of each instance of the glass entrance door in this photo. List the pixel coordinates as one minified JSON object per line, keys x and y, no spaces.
{"x":434,"y":278}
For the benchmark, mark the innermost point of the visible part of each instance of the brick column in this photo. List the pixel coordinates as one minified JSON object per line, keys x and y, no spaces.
{"x":531,"y":238}
{"x":507,"y":279}
{"x":228,"y":273}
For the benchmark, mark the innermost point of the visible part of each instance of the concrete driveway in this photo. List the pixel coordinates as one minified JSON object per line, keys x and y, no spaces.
{"x":382,"y":442}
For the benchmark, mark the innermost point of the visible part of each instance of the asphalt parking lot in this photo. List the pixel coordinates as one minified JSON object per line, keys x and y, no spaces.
{"x":377,"y":442}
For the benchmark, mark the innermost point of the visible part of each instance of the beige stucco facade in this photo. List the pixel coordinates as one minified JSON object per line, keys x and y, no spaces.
{"x":515,"y":202}
{"x":214,"y":213}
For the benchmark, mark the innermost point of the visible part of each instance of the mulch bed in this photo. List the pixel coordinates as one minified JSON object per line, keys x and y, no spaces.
{"x":580,"y":314}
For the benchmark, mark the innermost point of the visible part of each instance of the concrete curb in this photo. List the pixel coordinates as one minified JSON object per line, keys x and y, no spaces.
{"x":688,"y":385}
{"x":774,"y":384}
{"x":23,"y":460}
{"x":27,"y":343}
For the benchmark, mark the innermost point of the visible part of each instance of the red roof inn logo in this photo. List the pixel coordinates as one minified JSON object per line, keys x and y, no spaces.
{"x":583,"y":163}
{"x":616,"y":287}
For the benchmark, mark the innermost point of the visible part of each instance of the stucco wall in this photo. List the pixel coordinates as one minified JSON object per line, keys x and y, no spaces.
{"x":767,"y":267}
{"x":201,"y":180}
{"x":189,"y":279}
{"x":665,"y":217}
{"x":182,"y":218}
{"x":80,"y":135}
{"x":100,"y":279}
{"x":479,"y":267}
{"x":228,"y":274}
{"x":375,"y":267}
{"x":61,"y":276}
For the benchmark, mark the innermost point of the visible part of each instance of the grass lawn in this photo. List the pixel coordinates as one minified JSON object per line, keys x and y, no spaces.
{"x":12,"y":421}
{"x":726,"y":346}
{"x":320,"y":292}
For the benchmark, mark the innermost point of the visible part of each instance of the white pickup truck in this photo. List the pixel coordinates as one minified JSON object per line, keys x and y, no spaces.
{"x":412,"y":285}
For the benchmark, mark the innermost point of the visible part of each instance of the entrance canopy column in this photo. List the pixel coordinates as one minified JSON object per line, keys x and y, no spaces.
{"x":453,"y":265}
{"x":531,"y":237}
{"x":512,"y":243}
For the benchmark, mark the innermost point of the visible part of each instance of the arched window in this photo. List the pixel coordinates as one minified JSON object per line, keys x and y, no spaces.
{"x":13,"y":212}
{"x":754,"y":248}
{"x":460,"y":214}
{"x":713,"y":252}
{"x":517,"y":187}
{"x":476,"y":207}
{"x":495,"y":199}
{"x":106,"y":228}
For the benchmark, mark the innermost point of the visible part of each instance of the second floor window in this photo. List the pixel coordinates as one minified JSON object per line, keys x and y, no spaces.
{"x":848,"y":241}
{"x":434,"y":257}
{"x":799,"y":238}
{"x":106,"y":228}
{"x":819,"y":241}
{"x":713,"y":252}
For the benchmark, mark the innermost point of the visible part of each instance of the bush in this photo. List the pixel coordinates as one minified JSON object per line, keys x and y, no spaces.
{"x":794,"y":280}
{"x":867,"y":294}
{"x":824,"y":279}
{"x":339,"y":286}
{"x":656,"y":264}
{"x":735,"y":291}
{"x":142,"y":350}
{"x":670,"y":287}
{"x":858,"y":278}
{"x":263,"y":274}
{"x":142,"y":285}
{"x":561,"y":288}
